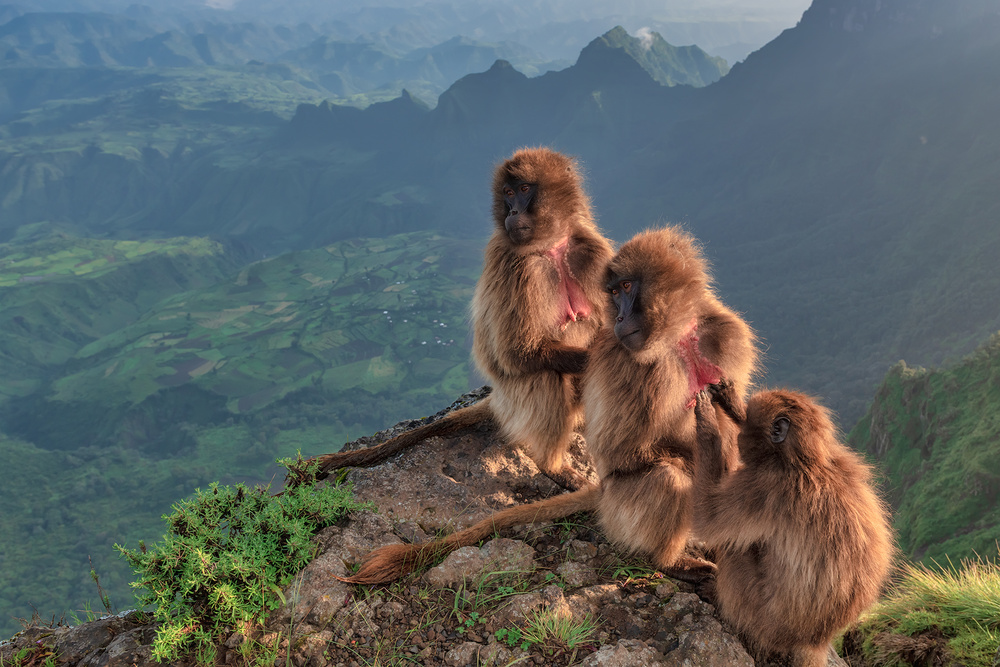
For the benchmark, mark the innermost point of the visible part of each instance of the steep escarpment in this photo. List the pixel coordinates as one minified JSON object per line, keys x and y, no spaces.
{"x":935,"y":434}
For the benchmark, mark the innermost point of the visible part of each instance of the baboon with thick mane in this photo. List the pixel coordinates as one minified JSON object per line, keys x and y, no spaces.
{"x":802,"y":543}
{"x":671,"y":338}
{"x":535,"y":312}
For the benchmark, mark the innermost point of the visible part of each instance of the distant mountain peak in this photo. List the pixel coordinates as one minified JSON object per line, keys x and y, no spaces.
{"x":667,"y":64}
{"x":501,"y":66}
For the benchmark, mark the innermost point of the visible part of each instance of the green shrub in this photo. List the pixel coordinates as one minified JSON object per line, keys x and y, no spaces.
{"x":227,"y":555}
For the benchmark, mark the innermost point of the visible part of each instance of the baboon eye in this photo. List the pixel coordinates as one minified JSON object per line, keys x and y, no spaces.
{"x":509,"y":192}
{"x":627,"y":285}
{"x":779,"y":429}
{"x":525,"y":187}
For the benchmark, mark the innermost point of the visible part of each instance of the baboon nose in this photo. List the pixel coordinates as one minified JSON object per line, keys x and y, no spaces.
{"x":620,"y":319}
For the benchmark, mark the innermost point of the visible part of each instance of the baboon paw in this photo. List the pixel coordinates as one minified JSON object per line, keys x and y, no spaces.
{"x":567,"y":478}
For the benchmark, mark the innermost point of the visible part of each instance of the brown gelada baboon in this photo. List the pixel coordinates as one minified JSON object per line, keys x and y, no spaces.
{"x":533,"y":315}
{"x":802,"y":542}
{"x":671,"y":338}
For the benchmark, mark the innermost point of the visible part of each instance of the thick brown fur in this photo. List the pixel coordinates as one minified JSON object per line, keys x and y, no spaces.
{"x":641,"y":426}
{"x":802,"y":541}
{"x":529,"y":338}
{"x":640,"y":422}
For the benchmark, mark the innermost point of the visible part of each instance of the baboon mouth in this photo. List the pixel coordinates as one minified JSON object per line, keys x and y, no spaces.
{"x":632,"y":341}
{"x":520,"y":234}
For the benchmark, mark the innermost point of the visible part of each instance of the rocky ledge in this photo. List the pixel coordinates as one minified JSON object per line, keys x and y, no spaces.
{"x":546,"y":594}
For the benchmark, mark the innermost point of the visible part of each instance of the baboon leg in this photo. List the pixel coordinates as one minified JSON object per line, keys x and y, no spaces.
{"x":540,"y":414}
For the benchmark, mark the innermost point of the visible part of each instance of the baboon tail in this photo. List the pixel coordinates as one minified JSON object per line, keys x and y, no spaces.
{"x":369,"y":456}
{"x":393,"y":561}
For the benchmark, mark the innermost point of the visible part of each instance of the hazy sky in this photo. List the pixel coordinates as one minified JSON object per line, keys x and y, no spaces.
{"x":557,"y":29}
{"x":569,"y":9}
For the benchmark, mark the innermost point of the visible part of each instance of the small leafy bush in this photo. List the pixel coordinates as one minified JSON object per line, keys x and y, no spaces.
{"x":227,"y":555}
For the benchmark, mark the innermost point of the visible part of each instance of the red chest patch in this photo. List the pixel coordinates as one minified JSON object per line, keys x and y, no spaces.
{"x":573,"y":303}
{"x":700,"y":371}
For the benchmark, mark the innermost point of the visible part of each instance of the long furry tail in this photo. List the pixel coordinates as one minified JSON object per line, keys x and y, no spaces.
{"x":369,"y":456}
{"x":393,"y":561}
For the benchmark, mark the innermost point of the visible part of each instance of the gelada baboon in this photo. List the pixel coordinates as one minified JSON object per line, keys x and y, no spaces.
{"x":533,"y":314}
{"x":671,"y":338}
{"x":802,"y":543}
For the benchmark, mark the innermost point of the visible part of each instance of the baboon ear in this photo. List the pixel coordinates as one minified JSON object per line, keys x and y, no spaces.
{"x":779,"y":429}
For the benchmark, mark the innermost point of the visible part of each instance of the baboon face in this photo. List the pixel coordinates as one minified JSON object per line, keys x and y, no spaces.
{"x":519,"y":197}
{"x":655,"y":282}
{"x":537,"y":194}
{"x":625,"y":293}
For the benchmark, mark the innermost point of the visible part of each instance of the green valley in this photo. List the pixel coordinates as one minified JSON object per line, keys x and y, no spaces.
{"x":295,"y":353}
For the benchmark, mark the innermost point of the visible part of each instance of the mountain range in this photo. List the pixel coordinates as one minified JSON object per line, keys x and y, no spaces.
{"x":558,"y":29}
{"x":840,"y":177}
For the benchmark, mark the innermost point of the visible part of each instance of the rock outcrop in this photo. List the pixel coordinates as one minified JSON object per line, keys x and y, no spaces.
{"x":548,"y":594}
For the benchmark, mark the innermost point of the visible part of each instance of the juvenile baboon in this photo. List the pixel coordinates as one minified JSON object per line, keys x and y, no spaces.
{"x":533,"y":314}
{"x":672,"y":337}
{"x":802,"y":542}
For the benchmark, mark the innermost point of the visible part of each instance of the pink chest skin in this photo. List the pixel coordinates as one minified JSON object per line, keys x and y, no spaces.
{"x":701,"y":371}
{"x":573,"y":303}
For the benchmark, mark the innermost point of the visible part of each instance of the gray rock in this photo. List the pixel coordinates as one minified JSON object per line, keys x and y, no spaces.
{"x":581,"y":552}
{"x":463,"y":654}
{"x":518,"y":608}
{"x":626,"y":653}
{"x":471,"y":564}
{"x":133,"y":647}
{"x":110,"y":641}
{"x":703,"y":643}
{"x":316,"y":595}
{"x":701,"y":639}
{"x":602,"y":595}
{"x":503,"y":555}
{"x":667,"y":588}
{"x":460,"y":566}
{"x":450,"y":483}
{"x":576,"y":574}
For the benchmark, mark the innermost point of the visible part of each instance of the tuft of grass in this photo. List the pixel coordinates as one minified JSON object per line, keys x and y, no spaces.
{"x":38,"y":656}
{"x":227,"y":556}
{"x":554,"y":631}
{"x":960,"y":605}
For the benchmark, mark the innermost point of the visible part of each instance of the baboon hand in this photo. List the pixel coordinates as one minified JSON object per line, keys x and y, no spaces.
{"x":707,"y":424}
{"x":724,"y":395}
{"x":703,"y":412}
